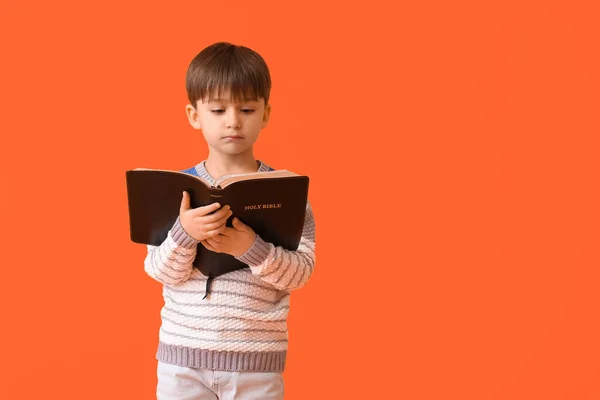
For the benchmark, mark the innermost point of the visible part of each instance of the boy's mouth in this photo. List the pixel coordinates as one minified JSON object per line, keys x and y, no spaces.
{"x":233,"y":137}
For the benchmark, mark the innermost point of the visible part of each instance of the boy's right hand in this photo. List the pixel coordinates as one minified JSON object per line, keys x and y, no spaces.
{"x":196,"y":221}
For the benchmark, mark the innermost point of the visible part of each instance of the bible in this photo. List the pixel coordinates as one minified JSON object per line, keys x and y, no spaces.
{"x":272,"y":203}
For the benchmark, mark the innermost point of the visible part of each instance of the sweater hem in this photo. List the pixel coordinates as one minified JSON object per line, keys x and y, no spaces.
{"x":232,"y":361}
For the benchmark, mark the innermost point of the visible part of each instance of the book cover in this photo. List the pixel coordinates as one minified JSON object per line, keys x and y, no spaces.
{"x":272,"y":203}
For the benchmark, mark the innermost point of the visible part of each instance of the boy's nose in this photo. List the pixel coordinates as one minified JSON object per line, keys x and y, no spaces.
{"x":233,"y":120}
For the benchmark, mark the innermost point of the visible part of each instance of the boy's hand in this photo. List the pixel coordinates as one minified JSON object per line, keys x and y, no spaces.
{"x":234,"y":241}
{"x":196,"y":221}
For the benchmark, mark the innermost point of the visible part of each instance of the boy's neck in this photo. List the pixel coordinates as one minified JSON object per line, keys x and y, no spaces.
{"x":217,"y":165}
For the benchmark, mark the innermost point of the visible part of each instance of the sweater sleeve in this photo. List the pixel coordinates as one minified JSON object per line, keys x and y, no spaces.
{"x":171,"y":262}
{"x":284,"y":269}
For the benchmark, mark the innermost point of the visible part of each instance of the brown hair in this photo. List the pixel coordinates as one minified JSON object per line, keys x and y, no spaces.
{"x":224,"y":66}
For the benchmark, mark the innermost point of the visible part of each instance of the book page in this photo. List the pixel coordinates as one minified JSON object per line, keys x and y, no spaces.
{"x":229,"y":179}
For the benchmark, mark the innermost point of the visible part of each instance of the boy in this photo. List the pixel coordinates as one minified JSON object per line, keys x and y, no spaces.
{"x":233,"y":341}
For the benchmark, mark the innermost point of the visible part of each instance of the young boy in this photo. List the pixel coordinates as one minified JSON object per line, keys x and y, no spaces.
{"x":233,"y":342}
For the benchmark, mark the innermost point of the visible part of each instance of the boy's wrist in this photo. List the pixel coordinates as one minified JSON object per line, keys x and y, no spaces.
{"x":257,"y":253}
{"x":181,"y":237}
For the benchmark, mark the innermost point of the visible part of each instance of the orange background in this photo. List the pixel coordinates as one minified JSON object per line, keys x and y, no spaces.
{"x":452,"y":150}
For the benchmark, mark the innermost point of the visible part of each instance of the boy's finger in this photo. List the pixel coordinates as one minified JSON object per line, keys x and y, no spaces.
{"x":227,"y":231}
{"x":215,"y":230}
{"x":185,"y":203}
{"x":205,"y":210}
{"x":220,"y":217}
{"x":215,"y":239}
{"x":215,"y":216}
{"x":208,"y":246}
{"x":212,"y":225}
{"x":240,"y":226}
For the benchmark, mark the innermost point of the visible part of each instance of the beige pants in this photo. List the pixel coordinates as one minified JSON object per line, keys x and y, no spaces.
{"x":181,"y":383}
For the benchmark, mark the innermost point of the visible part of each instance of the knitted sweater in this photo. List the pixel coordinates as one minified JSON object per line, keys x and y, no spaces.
{"x":241,"y":325}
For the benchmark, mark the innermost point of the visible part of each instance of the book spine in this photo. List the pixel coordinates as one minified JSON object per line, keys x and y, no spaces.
{"x":216,"y":191}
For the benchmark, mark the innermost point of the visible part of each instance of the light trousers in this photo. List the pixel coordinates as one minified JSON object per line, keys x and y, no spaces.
{"x":182,"y":383}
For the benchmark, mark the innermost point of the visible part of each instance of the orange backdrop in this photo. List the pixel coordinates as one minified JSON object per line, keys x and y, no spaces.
{"x":452,"y":150}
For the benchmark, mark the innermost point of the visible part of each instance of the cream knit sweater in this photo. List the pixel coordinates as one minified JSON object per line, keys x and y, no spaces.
{"x":241,"y":325}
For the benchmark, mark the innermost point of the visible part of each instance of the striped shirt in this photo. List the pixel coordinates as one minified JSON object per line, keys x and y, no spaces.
{"x":241,"y":325}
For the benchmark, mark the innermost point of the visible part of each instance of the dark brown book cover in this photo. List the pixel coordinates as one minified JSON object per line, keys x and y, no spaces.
{"x":273,"y":205}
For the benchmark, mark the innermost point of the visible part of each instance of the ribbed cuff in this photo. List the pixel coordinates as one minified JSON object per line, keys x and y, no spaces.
{"x":181,"y":237}
{"x":237,"y":361}
{"x":257,"y":253}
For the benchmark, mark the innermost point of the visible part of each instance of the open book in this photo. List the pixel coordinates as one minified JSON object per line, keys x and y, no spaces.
{"x":272,"y":203}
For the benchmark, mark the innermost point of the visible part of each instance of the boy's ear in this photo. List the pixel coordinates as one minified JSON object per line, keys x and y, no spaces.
{"x":266,"y":116}
{"x":193,"y":116}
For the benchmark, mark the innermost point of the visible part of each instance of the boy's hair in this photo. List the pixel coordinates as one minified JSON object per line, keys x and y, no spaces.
{"x":225,"y":66}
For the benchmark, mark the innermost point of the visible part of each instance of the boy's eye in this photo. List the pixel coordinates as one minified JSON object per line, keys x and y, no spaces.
{"x":244,"y":110}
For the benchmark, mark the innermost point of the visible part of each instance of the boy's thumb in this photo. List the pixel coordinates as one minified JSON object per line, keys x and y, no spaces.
{"x":239,"y":225}
{"x":185,"y":202}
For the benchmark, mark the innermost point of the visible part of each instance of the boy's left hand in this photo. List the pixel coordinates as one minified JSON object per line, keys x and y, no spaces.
{"x":234,"y":241}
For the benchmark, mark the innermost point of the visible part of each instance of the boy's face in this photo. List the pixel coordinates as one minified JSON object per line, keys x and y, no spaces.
{"x":228,"y":127}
